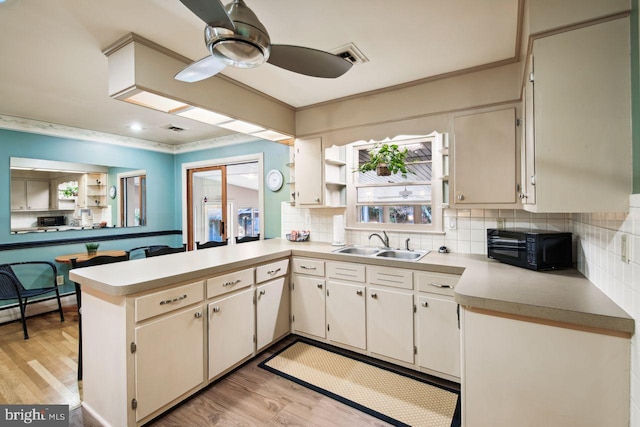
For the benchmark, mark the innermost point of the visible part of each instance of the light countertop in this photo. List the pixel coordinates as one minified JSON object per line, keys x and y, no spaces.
{"x":562,"y":296}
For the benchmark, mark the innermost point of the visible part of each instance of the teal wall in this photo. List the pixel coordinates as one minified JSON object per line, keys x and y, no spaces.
{"x":276,"y":156}
{"x":635,"y":94}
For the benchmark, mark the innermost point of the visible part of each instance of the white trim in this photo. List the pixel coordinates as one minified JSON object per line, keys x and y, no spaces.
{"x":118,"y":178}
{"x":256,"y":157}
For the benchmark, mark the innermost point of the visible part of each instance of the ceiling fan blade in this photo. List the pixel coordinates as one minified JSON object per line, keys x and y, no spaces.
{"x":311,"y":62}
{"x":200,"y":70}
{"x":212,"y":12}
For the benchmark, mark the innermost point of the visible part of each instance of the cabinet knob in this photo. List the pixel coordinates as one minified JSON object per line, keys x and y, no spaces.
{"x":216,"y":309}
{"x":359,"y":292}
{"x":262,"y":292}
{"x":374,"y":295}
{"x":425,"y":304}
{"x":319,"y":285}
{"x":197,"y":315}
{"x":460,"y":197}
{"x":317,"y":199}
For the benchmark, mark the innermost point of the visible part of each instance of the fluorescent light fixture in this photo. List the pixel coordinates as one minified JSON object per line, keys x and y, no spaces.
{"x":271,"y":135}
{"x":204,"y":116}
{"x":242,"y":127}
{"x":136,"y":127}
{"x":157,"y":102}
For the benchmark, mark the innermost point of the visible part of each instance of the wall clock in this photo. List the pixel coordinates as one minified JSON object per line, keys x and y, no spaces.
{"x":274,"y":180}
{"x":112,"y":191}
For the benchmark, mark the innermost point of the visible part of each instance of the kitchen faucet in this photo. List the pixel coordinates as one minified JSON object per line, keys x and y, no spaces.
{"x":384,"y":240}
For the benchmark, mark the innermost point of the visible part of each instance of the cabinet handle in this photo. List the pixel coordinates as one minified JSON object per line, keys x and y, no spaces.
{"x":235,"y":282}
{"x":216,"y":309}
{"x":425,"y":304}
{"x":304,"y":267}
{"x":317,"y":199}
{"x":169,"y":301}
{"x":460,"y":197}
{"x":374,"y":295}
{"x":277,"y":270}
{"x":197,"y":315}
{"x":319,"y":285}
{"x":359,"y":292}
{"x":262,"y":292}
{"x":438,"y":285}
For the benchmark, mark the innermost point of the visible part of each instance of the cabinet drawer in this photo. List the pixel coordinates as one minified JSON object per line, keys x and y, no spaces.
{"x":229,"y":282}
{"x":271,"y":270}
{"x":346,"y":271}
{"x":437,"y":283}
{"x":169,"y":300}
{"x":311,"y":267}
{"x":394,"y":277}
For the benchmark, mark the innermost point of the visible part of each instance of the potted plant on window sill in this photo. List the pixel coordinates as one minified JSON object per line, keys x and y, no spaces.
{"x":386,"y":159}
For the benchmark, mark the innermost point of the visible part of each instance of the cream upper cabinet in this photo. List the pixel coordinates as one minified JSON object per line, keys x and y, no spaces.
{"x":485,"y":158}
{"x":308,"y":172}
{"x":29,"y":195}
{"x":92,"y":190}
{"x":578,"y":109}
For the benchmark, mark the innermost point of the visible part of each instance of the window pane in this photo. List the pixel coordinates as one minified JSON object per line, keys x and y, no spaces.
{"x":371,"y":214}
{"x":248,"y":222}
{"x":394,"y":194}
{"x":401,"y":215}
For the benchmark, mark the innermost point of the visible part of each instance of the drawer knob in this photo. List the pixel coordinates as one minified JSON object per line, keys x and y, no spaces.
{"x":374,"y":295}
{"x":170,"y":300}
{"x":197,"y":315}
{"x":319,"y":285}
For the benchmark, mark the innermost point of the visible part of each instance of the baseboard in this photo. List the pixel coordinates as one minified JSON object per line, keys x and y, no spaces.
{"x":33,"y":309}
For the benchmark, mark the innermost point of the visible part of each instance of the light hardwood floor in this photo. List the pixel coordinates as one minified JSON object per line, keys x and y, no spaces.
{"x":43,"y":370}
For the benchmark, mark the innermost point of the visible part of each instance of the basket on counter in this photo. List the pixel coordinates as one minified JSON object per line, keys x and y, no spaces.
{"x":298,"y":236}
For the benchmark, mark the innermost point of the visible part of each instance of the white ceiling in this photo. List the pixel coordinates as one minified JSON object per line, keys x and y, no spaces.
{"x":53,"y":69}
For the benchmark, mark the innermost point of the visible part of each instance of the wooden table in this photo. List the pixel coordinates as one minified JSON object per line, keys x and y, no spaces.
{"x":83,"y":256}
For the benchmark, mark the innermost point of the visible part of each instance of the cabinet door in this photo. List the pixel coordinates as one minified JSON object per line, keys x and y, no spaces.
{"x":346,"y":320}
{"x":308,"y":305}
{"x":438,"y":335}
{"x":390,"y":324}
{"x":231,"y":331}
{"x":581,"y":93}
{"x":309,"y":164}
{"x":169,"y":359}
{"x":37,"y":195}
{"x":527,"y":153}
{"x":18,"y":195}
{"x":272,"y":311}
{"x":484,"y":158}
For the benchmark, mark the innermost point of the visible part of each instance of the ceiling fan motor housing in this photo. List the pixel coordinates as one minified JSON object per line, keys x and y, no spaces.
{"x":247,"y":47}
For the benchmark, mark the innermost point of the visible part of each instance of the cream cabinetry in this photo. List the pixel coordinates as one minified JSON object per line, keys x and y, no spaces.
{"x":272,"y":312}
{"x":231,"y":331}
{"x":346,"y":304}
{"x":308,"y":164}
{"x":390,"y":323}
{"x":29,"y":195}
{"x":577,"y":153}
{"x":438,"y":332}
{"x":168,"y":359}
{"x":92,"y":190}
{"x":309,"y":305}
{"x":547,"y":374}
{"x":484,"y":159}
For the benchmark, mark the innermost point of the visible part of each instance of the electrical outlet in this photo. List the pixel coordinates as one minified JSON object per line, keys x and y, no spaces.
{"x":500,"y":223}
{"x":624,"y":248}
{"x":452,"y":223}
{"x":307,"y":218}
{"x":60,"y":280}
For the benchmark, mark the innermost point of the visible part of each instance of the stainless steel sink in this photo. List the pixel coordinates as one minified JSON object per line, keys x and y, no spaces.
{"x":357,"y":250}
{"x":382,"y":252}
{"x":400,"y":254}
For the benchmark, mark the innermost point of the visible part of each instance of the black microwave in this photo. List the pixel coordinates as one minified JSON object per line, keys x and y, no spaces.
{"x":532,"y":249}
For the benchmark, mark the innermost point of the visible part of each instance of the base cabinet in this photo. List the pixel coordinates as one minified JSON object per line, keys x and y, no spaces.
{"x":272,"y":312}
{"x":541,"y":374}
{"x":309,"y":305}
{"x":439,"y":335}
{"x":169,"y":359}
{"x":390,"y":324}
{"x":346,"y":314}
{"x":231,"y":331}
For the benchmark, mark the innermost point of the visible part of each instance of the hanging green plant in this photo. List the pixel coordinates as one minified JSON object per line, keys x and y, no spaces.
{"x":386,"y":159}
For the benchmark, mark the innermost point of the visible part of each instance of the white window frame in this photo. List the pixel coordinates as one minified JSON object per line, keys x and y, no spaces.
{"x":436,"y":225}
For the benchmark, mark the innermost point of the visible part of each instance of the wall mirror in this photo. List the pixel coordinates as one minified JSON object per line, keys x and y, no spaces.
{"x":53,"y":196}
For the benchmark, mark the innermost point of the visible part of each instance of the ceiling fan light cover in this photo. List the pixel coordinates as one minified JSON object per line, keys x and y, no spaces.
{"x":247,"y":48}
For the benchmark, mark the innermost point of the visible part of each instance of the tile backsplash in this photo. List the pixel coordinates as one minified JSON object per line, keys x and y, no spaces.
{"x":598,"y":246}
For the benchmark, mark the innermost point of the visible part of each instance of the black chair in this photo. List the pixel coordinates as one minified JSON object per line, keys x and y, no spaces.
{"x":211,"y":244}
{"x":153,"y":248}
{"x":248,"y":238}
{"x":151,"y":251}
{"x":97,"y":260}
{"x":12,"y":288}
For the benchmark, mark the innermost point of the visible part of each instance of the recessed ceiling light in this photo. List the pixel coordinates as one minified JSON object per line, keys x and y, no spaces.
{"x":136,"y":127}
{"x":242,"y":127}
{"x":204,"y":116}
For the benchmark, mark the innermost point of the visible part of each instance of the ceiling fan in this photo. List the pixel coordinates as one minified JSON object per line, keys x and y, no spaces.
{"x":236,"y":37}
